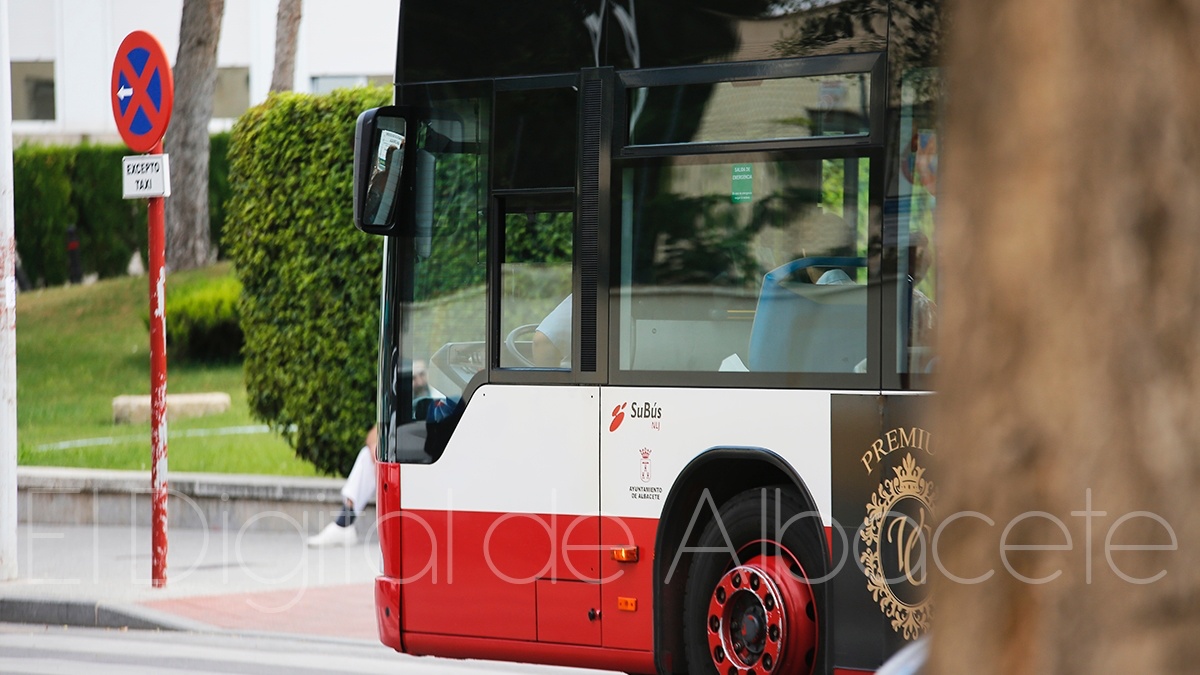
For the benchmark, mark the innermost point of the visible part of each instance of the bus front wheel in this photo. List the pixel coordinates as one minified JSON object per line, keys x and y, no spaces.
{"x":753,"y":611}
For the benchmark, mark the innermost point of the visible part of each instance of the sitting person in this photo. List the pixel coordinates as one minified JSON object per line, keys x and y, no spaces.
{"x":358,"y":490}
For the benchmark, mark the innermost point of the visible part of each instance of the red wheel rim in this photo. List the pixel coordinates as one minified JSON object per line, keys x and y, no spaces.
{"x":762,"y":618}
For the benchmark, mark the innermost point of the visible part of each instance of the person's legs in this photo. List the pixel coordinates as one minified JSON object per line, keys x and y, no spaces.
{"x":360,"y":484}
{"x":358,"y":490}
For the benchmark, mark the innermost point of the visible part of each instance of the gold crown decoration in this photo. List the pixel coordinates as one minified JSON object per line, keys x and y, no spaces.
{"x":910,"y":475}
{"x":909,"y":483}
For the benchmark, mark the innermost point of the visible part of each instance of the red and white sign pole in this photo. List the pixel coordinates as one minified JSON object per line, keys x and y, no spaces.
{"x":158,"y":384}
{"x":142,"y":95}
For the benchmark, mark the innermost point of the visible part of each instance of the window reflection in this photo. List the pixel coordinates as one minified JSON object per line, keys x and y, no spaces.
{"x":744,"y":263}
{"x":535,"y":281}
{"x":917,"y":292}
{"x":750,"y":110}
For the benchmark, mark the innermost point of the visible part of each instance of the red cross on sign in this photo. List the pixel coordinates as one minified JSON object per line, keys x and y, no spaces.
{"x":143,"y":91}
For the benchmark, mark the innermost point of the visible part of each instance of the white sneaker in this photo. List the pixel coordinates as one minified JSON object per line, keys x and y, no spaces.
{"x":334,"y":535}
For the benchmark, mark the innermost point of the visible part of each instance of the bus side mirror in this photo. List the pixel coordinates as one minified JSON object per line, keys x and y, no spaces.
{"x":381,"y":183}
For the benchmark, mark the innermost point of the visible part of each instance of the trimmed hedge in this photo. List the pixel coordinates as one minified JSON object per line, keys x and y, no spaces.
{"x":310,"y":304}
{"x":55,"y":187}
{"x":43,"y":210}
{"x":202,"y":320}
{"x":110,"y":228}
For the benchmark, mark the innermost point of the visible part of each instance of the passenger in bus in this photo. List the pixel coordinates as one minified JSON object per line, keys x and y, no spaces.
{"x":552,"y":339}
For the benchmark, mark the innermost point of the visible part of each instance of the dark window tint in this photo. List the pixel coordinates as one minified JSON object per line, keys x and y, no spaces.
{"x":471,"y":39}
{"x":535,"y":138}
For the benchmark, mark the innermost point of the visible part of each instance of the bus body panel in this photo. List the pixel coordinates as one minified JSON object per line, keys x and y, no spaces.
{"x":650,"y":434}
{"x":485,"y":573}
{"x":512,"y":503}
{"x":627,"y":594}
{"x":882,"y":448}
{"x":518,"y":449}
{"x":531,"y":577}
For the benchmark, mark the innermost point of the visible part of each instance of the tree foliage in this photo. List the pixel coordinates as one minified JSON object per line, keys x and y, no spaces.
{"x":310,"y":304}
{"x":43,"y":210}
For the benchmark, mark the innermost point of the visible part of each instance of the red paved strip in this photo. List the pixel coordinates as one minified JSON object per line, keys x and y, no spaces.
{"x":346,"y":611}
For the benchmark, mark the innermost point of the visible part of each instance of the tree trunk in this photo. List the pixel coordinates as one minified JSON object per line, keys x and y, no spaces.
{"x":1068,"y":405}
{"x":189,"y":243}
{"x":287,"y":30}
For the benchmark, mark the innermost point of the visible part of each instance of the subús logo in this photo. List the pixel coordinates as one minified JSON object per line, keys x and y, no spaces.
{"x":638,"y":411}
{"x":618,"y":416}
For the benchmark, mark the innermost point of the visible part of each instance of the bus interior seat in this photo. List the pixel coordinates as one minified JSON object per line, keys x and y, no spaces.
{"x":805,"y":327}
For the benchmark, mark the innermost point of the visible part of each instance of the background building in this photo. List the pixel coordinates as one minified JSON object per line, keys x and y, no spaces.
{"x":62,"y":53}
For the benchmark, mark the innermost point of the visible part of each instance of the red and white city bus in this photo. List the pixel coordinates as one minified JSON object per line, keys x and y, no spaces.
{"x":658,"y":305}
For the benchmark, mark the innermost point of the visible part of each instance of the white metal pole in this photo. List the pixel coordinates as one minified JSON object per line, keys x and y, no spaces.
{"x":8,"y":320}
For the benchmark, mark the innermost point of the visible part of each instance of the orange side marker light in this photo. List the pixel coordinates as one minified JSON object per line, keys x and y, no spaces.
{"x":625,"y":554}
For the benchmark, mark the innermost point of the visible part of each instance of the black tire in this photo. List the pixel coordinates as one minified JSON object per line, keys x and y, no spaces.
{"x":715,"y":600}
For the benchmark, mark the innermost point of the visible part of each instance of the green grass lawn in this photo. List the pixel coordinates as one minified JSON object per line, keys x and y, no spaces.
{"x":80,"y":346}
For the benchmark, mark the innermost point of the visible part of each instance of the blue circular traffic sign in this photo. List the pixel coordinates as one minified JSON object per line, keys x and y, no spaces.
{"x":143,"y":91}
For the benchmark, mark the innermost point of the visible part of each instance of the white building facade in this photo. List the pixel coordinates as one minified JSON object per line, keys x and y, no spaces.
{"x":61,"y":55}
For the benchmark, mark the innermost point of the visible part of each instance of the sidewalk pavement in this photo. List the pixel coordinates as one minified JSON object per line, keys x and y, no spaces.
{"x":248,"y":579}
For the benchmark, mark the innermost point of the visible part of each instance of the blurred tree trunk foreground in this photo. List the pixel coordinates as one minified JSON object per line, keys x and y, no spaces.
{"x":189,"y":242}
{"x":1069,"y":407}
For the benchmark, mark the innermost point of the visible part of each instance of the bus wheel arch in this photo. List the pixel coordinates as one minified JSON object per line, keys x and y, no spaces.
{"x":713,"y":480}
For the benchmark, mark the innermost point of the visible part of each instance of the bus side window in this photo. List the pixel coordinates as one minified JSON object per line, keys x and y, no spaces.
{"x":916,"y":301}
{"x":757,"y":264}
{"x":536,"y":282}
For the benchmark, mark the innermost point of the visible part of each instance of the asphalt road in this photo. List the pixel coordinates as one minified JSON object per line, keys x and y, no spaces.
{"x":37,"y":650}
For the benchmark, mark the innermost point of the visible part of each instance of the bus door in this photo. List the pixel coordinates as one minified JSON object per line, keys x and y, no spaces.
{"x":553,"y":441}
{"x":500,"y":521}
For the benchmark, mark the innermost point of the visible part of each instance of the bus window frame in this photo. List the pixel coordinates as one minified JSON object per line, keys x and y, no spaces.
{"x":872,"y":64}
{"x":495,"y":246}
{"x":896,"y":224}
{"x":869,"y":146}
{"x":876,"y":330}
{"x":520,"y":374}
{"x":616,"y":155}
